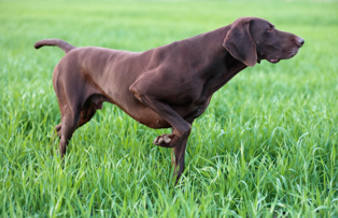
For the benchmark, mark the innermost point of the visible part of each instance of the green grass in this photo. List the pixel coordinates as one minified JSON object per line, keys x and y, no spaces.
{"x":267,"y":146}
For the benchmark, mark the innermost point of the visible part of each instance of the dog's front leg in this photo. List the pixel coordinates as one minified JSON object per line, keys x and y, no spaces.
{"x":178,"y":159}
{"x":181,"y":127}
{"x":179,"y":137}
{"x":151,"y":97}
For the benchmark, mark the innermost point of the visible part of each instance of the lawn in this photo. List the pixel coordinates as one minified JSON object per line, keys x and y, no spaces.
{"x":267,"y":146}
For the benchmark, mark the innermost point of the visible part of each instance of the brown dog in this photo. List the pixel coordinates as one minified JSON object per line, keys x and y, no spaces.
{"x":168,"y":86}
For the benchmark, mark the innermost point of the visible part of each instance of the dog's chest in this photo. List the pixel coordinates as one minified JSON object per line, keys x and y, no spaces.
{"x":198,"y":108}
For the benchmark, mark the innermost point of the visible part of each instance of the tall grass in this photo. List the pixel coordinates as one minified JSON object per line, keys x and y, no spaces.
{"x":267,"y":146}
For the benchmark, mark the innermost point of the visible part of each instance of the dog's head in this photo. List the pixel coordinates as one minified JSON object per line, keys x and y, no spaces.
{"x":251,"y":39}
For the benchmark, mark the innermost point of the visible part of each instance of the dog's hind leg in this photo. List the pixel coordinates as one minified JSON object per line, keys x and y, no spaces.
{"x":70,"y":116}
{"x":92,"y":104}
{"x":57,"y":130}
{"x":87,"y":113}
{"x":70,"y":119}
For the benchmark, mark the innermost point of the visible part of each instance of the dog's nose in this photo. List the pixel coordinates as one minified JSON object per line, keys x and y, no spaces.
{"x":300,"y":41}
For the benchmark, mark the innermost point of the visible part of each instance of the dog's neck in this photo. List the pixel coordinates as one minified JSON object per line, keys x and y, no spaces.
{"x":217,"y":65}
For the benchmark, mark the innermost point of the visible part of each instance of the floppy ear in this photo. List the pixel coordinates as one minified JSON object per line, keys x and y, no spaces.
{"x":240,"y":44}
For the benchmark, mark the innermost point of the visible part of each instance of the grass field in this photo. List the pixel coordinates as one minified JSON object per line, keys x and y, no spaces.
{"x":267,"y":146}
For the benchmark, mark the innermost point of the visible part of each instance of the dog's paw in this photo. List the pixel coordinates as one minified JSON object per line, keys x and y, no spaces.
{"x":164,"y":141}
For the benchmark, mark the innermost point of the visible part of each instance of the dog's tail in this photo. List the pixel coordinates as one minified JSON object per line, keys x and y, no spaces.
{"x":66,"y":47}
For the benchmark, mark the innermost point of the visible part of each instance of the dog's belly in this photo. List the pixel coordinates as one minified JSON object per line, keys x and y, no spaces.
{"x":150,"y":118}
{"x":146,"y":116}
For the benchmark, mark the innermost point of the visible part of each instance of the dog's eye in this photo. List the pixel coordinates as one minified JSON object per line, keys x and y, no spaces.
{"x":270,"y":28}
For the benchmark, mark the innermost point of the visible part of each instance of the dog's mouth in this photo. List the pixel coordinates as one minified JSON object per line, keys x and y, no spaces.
{"x":273,"y":60}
